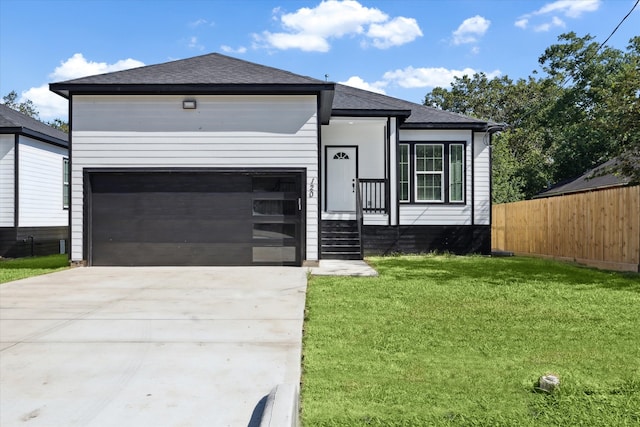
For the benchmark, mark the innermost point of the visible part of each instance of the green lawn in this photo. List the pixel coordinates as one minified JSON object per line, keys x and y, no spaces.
{"x":461,"y":341}
{"x":20,"y":268}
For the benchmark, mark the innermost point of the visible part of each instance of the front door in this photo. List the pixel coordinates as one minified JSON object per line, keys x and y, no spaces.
{"x":341,"y":178}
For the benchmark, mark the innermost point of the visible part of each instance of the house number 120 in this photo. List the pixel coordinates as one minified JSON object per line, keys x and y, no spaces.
{"x":311,"y":185}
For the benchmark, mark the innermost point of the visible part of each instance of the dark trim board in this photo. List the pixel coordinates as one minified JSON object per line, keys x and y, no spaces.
{"x":16,"y":242}
{"x":456,"y":239}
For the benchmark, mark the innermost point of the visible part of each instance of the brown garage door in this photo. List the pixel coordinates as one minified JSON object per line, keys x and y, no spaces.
{"x":195,"y":218}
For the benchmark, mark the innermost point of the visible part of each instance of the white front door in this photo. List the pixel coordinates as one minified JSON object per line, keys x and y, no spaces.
{"x":341,"y":179}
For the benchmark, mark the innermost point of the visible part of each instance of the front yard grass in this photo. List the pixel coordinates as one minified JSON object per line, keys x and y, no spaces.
{"x":21,"y":268}
{"x":461,"y":341}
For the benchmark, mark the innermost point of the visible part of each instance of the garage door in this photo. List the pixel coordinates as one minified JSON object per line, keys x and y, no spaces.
{"x":195,"y":218}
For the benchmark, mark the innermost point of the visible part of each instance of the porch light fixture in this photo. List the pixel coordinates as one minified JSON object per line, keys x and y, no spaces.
{"x":189,"y":104}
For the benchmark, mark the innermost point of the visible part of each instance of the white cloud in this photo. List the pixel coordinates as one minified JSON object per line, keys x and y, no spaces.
{"x":284,"y":41}
{"x":357,"y":82}
{"x":396,"y":32}
{"x":569,"y":8}
{"x":198,"y":22}
{"x":555,"y":22}
{"x":194,"y":44}
{"x":311,"y":29}
{"x":470,"y":30}
{"x":229,"y":49}
{"x":52,"y":106}
{"x":522,"y":23}
{"x":411,"y":77}
{"x":77,"y":66}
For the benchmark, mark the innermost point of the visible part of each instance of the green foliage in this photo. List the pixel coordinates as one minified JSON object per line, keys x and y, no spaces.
{"x":20,"y":268}
{"x":26,"y":107}
{"x":461,"y":341}
{"x":584,"y":110}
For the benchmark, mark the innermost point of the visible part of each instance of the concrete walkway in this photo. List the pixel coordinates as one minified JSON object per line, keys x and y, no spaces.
{"x":334,"y":267}
{"x":164,"y":346}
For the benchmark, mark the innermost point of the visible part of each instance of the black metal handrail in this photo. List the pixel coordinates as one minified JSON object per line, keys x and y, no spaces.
{"x":375,"y":197}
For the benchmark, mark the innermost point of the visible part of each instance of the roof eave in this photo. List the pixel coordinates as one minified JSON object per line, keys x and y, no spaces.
{"x":343,"y":112}
{"x":463,"y":126}
{"x":36,"y":135}
{"x":67,"y":89}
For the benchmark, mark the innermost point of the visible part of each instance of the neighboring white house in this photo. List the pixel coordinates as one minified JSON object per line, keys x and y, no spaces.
{"x":34,"y":186}
{"x":213,"y":160}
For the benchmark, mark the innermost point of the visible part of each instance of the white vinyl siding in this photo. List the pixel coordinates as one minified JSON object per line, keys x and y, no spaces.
{"x":40,"y":184}
{"x":482,"y":178}
{"x":7,"y":184}
{"x":222,"y":132}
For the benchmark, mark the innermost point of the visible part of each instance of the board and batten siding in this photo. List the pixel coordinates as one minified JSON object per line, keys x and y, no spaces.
{"x":482,"y":178}
{"x":7,"y":184}
{"x":434,"y":213}
{"x":40,"y":184}
{"x":234,"y":131}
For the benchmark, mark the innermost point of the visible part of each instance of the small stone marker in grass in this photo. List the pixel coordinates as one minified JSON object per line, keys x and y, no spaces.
{"x":548,"y":383}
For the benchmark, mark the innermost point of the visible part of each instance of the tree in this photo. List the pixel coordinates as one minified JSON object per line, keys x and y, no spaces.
{"x":587,"y":121}
{"x":59,"y":124}
{"x":582,"y":111}
{"x":26,"y":107}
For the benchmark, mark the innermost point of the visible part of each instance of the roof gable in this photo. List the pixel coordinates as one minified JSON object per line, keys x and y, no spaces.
{"x":12,"y":121}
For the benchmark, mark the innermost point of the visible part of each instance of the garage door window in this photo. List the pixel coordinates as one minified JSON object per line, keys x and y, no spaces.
{"x":274,"y":231}
{"x":275,"y":207}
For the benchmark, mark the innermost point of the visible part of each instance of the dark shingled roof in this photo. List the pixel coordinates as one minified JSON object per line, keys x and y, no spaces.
{"x":594,"y":179}
{"x":349,"y":98}
{"x":210,"y":69}
{"x":216,"y":73}
{"x":12,"y":121}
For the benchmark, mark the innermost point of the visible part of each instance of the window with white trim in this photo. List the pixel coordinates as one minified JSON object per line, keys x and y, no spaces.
{"x":429,"y":172}
{"x":65,"y":183}
{"x":456,"y":173}
{"x":403,"y":163}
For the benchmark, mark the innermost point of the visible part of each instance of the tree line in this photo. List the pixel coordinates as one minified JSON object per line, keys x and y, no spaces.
{"x":580,"y":111}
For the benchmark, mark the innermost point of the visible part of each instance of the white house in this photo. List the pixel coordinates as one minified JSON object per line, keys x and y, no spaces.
{"x":34,"y":186}
{"x":213,"y":160}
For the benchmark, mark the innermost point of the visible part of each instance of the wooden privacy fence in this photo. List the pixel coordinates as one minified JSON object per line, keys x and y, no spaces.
{"x":598,"y":228}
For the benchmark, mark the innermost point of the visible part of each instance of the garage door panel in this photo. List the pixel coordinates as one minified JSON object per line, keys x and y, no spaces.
{"x":170,"y":182}
{"x":195,"y":218}
{"x":170,"y":254}
{"x":174,"y":230}
{"x":168,"y":205}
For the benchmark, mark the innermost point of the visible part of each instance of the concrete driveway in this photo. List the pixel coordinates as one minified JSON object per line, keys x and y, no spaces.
{"x":185,"y":346}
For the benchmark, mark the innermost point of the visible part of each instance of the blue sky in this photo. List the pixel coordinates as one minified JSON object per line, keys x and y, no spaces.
{"x":403,"y":48}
